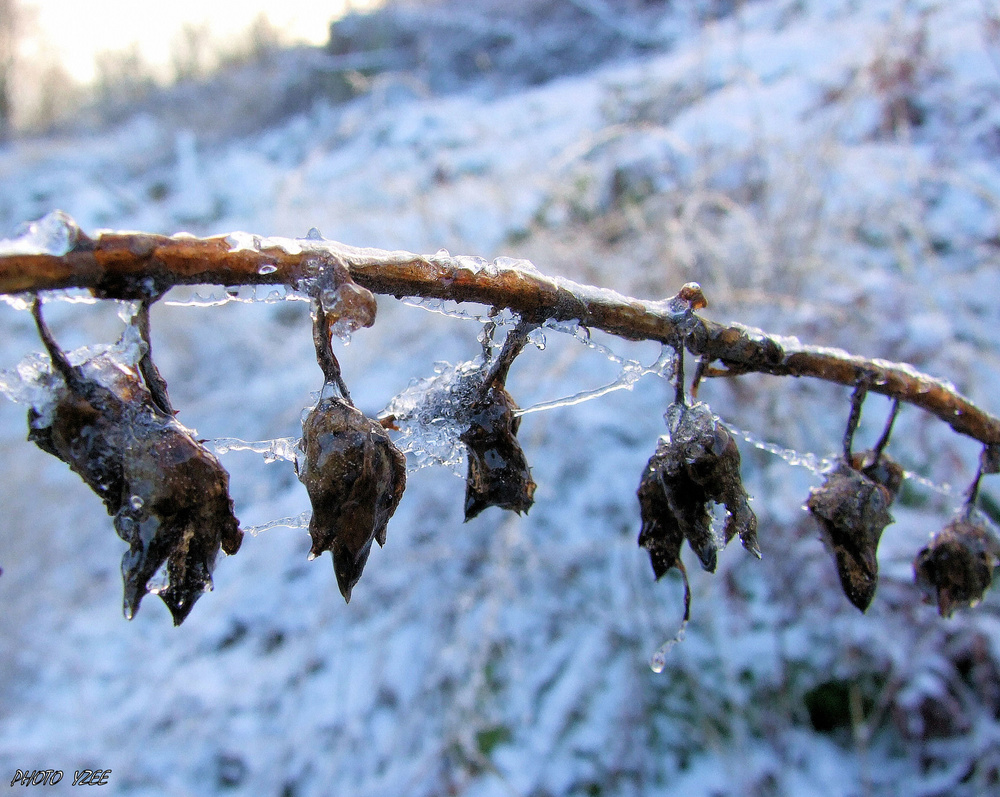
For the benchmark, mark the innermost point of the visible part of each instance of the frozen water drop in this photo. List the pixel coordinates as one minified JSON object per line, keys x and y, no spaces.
{"x":159,"y":581}
{"x":127,"y":311}
{"x":537,"y":339}
{"x":54,"y":234}
{"x":136,"y":502}
{"x":658,"y":662}
{"x":267,"y":268}
{"x":314,"y":235}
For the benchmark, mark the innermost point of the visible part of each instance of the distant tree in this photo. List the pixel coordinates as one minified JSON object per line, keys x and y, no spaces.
{"x":10,"y":25}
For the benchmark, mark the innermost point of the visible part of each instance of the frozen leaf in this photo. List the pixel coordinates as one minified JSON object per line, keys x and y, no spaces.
{"x":498,"y":471}
{"x":355,"y":477}
{"x":852,"y":508}
{"x":168,"y":494}
{"x":695,"y":463}
{"x":956,"y":568}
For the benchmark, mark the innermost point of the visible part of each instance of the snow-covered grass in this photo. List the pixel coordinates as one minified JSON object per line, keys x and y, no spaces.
{"x":824,"y":169}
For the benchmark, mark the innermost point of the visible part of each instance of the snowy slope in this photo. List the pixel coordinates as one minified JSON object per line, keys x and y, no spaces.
{"x":825,"y":169}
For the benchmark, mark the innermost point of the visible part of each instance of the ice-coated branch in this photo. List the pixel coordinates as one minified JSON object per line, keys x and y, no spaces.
{"x":55,"y":254}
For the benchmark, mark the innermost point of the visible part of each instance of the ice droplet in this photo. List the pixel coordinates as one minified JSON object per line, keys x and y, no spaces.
{"x":314,"y":235}
{"x":136,"y":502}
{"x":537,"y":338}
{"x":54,"y":234}
{"x":159,"y":581}
{"x":659,"y":660}
{"x":267,"y":268}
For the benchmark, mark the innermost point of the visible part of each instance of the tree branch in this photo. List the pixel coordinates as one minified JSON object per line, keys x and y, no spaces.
{"x":142,"y":266}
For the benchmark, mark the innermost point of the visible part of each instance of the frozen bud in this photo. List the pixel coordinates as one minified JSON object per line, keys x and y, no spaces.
{"x":498,"y":472}
{"x":886,"y":471}
{"x":695,"y":463}
{"x":346,"y":306}
{"x":355,"y":477}
{"x":956,"y":568}
{"x":852,"y":509}
{"x":349,"y":307}
{"x":168,"y":494}
{"x":691,"y":293}
{"x":180,"y":514}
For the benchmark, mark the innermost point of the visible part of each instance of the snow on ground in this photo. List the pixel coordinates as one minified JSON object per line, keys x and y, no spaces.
{"x":825,"y":169}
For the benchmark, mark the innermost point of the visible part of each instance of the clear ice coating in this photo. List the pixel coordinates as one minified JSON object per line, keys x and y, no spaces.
{"x":248,"y":294}
{"x":272,"y":450}
{"x":349,"y":306}
{"x":432,"y":412}
{"x":54,"y":234}
{"x":795,"y":458}
{"x":300,"y":521}
{"x":658,"y":662}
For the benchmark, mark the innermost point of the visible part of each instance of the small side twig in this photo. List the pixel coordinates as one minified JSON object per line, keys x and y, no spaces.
{"x":857,"y":400}
{"x":151,"y":375}
{"x":327,"y":360}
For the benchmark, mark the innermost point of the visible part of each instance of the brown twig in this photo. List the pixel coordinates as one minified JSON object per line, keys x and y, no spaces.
{"x":140,"y":266}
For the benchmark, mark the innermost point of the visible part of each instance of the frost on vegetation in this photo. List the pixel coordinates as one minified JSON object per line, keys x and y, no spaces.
{"x":54,"y":234}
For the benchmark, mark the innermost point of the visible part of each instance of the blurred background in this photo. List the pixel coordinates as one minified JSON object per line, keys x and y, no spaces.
{"x":824,"y":168}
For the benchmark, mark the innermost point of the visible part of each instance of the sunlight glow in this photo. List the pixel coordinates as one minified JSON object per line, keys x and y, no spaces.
{"x":75,"y":32}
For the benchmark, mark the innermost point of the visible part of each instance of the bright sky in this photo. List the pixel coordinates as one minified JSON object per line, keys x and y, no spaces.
{"x":76,"y":30}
